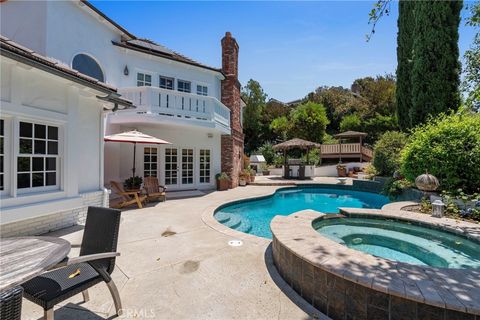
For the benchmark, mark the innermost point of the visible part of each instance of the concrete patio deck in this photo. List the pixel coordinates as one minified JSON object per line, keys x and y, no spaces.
{"x":174,"y":266}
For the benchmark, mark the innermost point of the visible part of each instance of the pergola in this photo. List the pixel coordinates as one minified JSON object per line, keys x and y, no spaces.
{"x":350,"y":134}
{"x":295,"y":143}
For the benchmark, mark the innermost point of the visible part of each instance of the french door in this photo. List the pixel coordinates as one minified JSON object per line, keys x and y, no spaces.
{"x":179,"y":167}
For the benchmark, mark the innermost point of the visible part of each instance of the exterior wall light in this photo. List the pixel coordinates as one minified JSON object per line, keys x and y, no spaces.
{"x":125,"y":71}
{"x":438,"y":208}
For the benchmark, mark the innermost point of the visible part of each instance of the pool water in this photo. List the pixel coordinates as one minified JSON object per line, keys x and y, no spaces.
{"x":402,"y":241}
{"x":254,"y":216}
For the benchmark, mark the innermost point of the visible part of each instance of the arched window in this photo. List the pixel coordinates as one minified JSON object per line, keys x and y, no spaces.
{"x":87,"y":65}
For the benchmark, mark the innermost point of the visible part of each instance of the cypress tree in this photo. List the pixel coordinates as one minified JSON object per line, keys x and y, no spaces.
{"x":406,"y":24}
{"x":436,"y":66}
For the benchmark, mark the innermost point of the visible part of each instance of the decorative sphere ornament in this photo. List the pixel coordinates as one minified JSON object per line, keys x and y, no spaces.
{"x":427,"y":182}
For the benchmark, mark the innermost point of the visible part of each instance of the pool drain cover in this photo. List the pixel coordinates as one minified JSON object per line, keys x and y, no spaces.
{"x":235,"y":243}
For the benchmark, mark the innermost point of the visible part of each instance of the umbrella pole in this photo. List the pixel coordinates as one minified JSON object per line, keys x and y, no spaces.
{"x":134,"y":155}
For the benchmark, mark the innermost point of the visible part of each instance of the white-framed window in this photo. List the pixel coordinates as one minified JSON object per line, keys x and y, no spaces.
{"x":202,"y":90}
{"x":205,"y":166}
{"x":184,"y":86}
{"x":144,"y":80}
{"x":166,"y":83}
{"x":150,"y":162}
{"x":38,"y":157}
{"x":2,"y":155}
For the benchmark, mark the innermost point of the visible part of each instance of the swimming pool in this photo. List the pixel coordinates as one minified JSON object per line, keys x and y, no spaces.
{"x":253,"y":216}
{"x":402,"y":241}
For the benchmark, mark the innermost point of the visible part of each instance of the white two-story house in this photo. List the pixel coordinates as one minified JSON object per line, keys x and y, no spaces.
{"x":195,"y":107}
{"x":177,"y":99}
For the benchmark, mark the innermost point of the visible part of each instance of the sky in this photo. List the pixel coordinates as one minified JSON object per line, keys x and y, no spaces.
{"x":291,"y":48}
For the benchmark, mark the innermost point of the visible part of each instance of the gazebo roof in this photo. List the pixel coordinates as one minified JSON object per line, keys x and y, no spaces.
{"x":351,"y":134}
{"x":296,"y":143}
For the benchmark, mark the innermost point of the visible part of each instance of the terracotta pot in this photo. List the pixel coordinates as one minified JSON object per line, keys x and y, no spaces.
{"x":252,"y":178}
{"x":222,"y":185}
{"x":342,"y":172}
{"x":266,"y":172}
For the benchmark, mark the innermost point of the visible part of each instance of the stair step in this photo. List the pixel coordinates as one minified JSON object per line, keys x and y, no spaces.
{"x":234,"y":222}
{"x":245,"y":226}
{"x":222,"y":217}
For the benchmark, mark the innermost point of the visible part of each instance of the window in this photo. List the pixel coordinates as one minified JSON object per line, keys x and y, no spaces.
{"x":2,"y":154}
{"x":149,"y":162}
{"x":184,"y":86}
{"x":204,"y":166}
{"x":202,"y":90}
{"x":87,"y":65}
{"x":38,"y":156}
{"x":144,"y":80}
{"x":166,"y":83}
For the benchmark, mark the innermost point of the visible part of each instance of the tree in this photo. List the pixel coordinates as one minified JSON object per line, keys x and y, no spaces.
{"x":379,"y":92}
{"x":272,"y":110}
{"x":281,"y":126}
{"x":309,"y":121}
{"x":471,"y":82}
{"x":351,"y":122}
{"x":406,"y":24}
{"x":436,"y":67}
{"x":386,"y":153}
{"x":255,"y":99}
{"x":338,"y":102}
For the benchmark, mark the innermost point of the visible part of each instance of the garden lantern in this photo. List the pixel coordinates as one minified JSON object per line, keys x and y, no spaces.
{"x":438,"y":207}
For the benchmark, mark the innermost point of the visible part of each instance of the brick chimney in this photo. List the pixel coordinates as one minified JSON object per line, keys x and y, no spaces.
{"x":232,"y":145}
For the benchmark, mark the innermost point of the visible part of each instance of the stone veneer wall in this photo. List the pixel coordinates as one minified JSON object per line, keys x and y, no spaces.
{"x":232,"y":145}
{"x":339,"y":298}
{"x":56,"y":220}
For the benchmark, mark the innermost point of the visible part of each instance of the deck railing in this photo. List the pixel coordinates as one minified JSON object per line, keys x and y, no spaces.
{"x":346,"y":148}
{"x":158,"y":101}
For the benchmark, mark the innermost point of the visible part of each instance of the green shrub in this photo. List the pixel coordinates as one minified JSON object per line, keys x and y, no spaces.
{"x":386,"y":153}
{"x":447,"y":147}
{"x":378,"y":125}
{"x":394,"y":187}
{"x":266,"y":150}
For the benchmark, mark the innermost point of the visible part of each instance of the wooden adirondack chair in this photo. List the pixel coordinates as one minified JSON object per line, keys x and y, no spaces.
{"x":153,"y":189}
{"x":128,"y":197}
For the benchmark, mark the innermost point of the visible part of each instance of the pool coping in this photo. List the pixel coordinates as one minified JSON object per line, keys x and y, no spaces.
{"x":209,"y":219}
{"x":455,"y":289}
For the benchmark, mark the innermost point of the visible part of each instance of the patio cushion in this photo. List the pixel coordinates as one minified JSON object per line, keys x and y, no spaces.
{"x":55,"y":286}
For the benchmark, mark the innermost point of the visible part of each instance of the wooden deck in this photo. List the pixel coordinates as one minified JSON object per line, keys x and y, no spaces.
{"x":346,"y":150}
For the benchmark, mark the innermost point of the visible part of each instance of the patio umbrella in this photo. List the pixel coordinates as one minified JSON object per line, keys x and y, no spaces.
{"x":134,"y":137}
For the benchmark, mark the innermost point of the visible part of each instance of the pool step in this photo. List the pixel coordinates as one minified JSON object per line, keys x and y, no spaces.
{"x":222,"y":217}
{"x":245,"y":226}
{"x":234,"y":221}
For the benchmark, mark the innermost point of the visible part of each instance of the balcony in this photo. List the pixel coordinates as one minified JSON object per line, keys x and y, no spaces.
{"x":162,"y":105}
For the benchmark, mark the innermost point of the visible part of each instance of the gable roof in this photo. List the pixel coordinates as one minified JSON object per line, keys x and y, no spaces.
{"x":132,"y":42}
{"x":17,"y":52}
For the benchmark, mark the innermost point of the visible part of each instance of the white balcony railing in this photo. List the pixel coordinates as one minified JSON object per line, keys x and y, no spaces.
{"x":175,"y":104}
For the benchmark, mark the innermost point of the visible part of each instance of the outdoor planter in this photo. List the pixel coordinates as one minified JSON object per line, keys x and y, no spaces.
{"x":252,"y":178}
{"x":242,"y":182}
{"x":222,"y":184}
{"x":222,"y":181}
{"x":341,"y":170}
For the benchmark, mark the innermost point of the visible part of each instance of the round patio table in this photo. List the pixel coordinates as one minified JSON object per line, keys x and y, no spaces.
{"x":24,"y":258}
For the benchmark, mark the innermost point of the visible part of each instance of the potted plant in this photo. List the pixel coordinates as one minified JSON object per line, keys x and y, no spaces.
{"x":133,"y":183}
{"x":222,"y":181}
{"x":242,"y":178}
{"x":264,"y":169}
{"x":341,"y":170}
{"x":251,"y":173}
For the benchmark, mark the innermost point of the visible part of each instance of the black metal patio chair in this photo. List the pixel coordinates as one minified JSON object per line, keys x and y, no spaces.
{"x":11,"y":303}
{"x":75,"y":275}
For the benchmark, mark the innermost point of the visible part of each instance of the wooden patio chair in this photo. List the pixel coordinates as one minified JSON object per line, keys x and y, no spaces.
{"x":127,"y":197}
{"x":153,"y":189}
